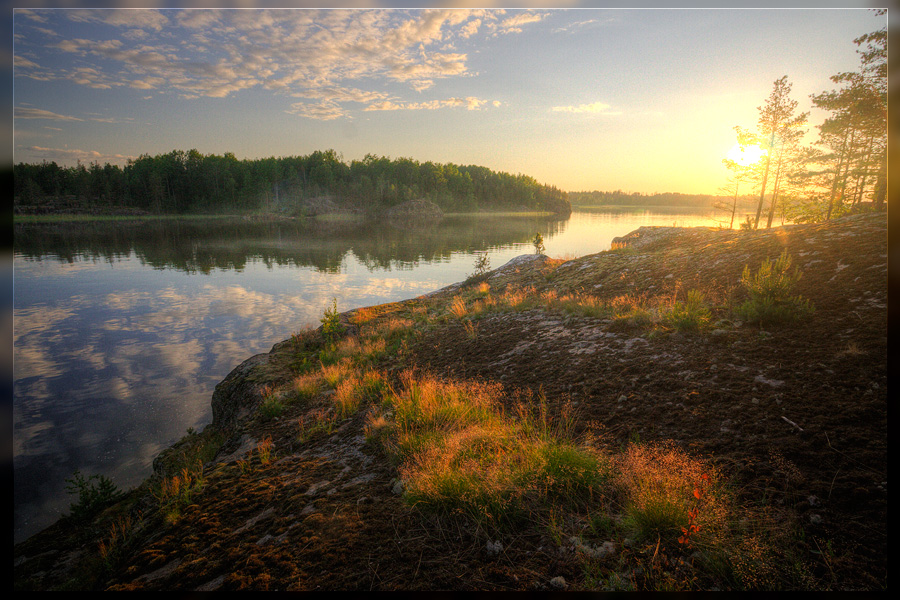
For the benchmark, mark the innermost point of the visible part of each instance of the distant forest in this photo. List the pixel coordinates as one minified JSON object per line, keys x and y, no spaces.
{"x":192,"y":182}
{"x":620,"y":198}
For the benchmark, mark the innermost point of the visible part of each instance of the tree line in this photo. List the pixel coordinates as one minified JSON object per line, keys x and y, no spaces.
{"x":180,"y":182}
{"x":620,"y":198}
{"x":845,"y":169}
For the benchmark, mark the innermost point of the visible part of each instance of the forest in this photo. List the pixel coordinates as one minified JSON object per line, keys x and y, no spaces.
{"x":192,"y":182}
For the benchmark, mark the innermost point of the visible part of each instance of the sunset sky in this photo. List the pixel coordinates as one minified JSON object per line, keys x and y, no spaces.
{"x":642,"y":100}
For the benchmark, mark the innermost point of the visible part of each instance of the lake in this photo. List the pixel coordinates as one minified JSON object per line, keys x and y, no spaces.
{"x":123,"y":329}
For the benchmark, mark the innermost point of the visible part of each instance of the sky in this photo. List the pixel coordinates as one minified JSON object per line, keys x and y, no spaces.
{"x":643,"y":100}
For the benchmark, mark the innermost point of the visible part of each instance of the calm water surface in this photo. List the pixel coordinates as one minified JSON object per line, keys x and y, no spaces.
{"x":123,"y":330}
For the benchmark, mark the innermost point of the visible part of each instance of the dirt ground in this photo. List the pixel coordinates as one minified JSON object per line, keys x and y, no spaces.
{"x":794,"y":416}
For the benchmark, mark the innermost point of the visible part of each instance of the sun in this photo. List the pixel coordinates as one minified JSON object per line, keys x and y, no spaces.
{"x":745,"y":155}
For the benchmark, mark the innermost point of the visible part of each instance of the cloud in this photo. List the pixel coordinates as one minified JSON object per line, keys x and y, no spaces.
{"x":137,"y":19}
{"x":471,"y":103}
{"x":317,"y":55}
{"x":595,"y":108}
{"x":20,"y":62}
{"x":22,"y":112}
{"x":323,"y":111}
{"x":515,"y":23}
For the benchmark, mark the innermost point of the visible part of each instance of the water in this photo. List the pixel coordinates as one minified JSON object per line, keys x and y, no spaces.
{"x":122,"y":330}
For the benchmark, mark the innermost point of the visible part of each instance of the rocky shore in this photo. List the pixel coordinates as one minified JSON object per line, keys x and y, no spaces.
{"x":294,"y":487}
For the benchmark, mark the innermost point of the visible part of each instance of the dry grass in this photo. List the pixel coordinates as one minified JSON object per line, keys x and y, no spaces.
{"x":306,"y":386}
{"x":334,"y":374}
{"x":458,"y":307}
{"x":460,"y":452}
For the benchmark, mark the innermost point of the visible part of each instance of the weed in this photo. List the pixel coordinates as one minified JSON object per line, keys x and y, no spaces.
{"x":264,"y":450}
{"x":174,"y":493}
{"x":471,"y":330}
{"x":334,"y":374}
{"x":94,"y":493}
{"x":459,"y":452}
{"x":114,"y":545}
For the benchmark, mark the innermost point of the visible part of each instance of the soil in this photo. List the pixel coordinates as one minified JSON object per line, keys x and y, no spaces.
{"x":794,"y":415}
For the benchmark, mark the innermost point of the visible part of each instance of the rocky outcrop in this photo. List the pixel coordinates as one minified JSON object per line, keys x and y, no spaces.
{"x":238,"y":396}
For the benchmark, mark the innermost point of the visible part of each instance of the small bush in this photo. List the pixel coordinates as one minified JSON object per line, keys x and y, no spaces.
{"x":771,"y":293}
{"x":538,"y":242}
{"x":482,"y":266}
{"x":94,"y":493}
{"x":331,"y":323}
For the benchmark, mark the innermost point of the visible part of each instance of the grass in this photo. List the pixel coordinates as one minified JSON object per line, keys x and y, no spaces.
{"x":691,"y":315}
{"x":459,"y":452}
{"x":466,"y":449}
{"x":175,"y":493}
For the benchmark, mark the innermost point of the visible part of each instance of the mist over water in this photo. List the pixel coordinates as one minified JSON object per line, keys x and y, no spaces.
{"x":123,"y":329}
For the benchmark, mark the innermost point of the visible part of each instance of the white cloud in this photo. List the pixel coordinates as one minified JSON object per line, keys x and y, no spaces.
{"x":22,"y":112}
{"x":596,"y":107}
{"x":515,"y":23}
{"x":471,"y":103}
{"x":138,"y":19}
{"x":318,"y":55}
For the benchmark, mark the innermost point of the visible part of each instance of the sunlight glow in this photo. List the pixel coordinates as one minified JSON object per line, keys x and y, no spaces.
{"x":745,"y":155}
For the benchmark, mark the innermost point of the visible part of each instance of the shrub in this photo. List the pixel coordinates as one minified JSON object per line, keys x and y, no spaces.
{"x":538,"y":242}
{"x":94,"y":493}
{"x":771,"y":289}
{"x":331,"y":323}
{"x":482,"y":266}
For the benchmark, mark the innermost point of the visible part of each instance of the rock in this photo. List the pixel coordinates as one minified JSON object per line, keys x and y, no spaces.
{"x":237,"y":397}
{"x":558,"y":583}
{"x":494,"y":548}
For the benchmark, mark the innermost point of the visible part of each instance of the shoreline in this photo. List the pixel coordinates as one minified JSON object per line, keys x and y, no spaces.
{"x":257,"y":385}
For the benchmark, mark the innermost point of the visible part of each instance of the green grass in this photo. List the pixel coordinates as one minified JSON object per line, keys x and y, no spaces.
{"x":691,"y":315}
